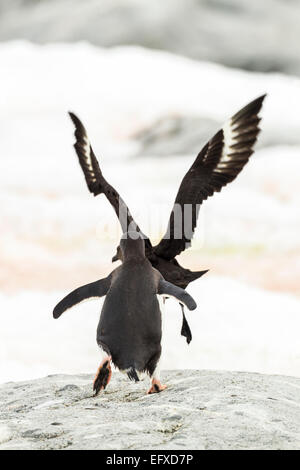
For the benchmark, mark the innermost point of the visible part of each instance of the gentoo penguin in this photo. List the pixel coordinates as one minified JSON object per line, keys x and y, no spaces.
{"x":217,"y":164}
{"x":129,"y":330}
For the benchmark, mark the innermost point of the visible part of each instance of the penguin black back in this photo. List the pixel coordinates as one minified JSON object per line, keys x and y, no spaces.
{"x":129,"y":329}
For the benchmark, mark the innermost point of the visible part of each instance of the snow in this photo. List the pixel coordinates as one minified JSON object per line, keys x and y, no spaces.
{"x":55,"y":236}
{"x":235,"y":326}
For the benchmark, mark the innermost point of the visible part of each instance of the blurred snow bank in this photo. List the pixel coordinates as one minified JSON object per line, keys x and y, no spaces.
{"x":119,"y":90}
{"x":252,"y":35}
{"x":235,"y":327}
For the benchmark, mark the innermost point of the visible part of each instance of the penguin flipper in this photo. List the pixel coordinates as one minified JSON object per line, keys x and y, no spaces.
{"x":94,"y":289}
{"x":170,"y":290}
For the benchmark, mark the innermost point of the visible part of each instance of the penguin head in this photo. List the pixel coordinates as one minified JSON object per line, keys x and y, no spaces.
{"x":132,"y":245}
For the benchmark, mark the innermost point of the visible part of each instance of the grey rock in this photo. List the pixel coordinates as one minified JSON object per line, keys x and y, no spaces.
{"x":182,"y":135}
{"x":252,"y":35}
{"x":69,"y":388}
{"x":197,"y":411}
{"x":175,"y":135}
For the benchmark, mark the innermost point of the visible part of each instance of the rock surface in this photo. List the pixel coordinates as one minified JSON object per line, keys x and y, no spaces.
{"x":200,"y":410}
{"x":176,"y":135}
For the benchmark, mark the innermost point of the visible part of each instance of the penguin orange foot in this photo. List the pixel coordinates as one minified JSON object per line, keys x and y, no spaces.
{"x":156,"y":386}
{"x":103,"y":376}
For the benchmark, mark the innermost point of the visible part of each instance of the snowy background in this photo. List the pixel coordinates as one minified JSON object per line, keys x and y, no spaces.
{"x":148,"y":111}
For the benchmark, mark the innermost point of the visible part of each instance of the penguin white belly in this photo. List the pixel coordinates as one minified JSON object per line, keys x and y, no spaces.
{"x":162,"y":305}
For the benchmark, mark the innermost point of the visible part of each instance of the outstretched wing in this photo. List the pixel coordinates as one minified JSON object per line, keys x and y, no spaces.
{"x":89,"y":291}
{"x":170,"y":290}
{"x":87,"y":159}
{"x":96,"y":183}
{"x":218,"y":163}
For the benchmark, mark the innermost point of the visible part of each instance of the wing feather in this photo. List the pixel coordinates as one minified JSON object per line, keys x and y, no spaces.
{"x":218,"y":163}
{"x":96,"y":182}
{"x":86,"y":157}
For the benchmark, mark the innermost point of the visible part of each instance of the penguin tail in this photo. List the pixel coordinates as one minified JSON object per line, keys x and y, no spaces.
{"x":196,"y":274}
{"x":132,"y":374}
